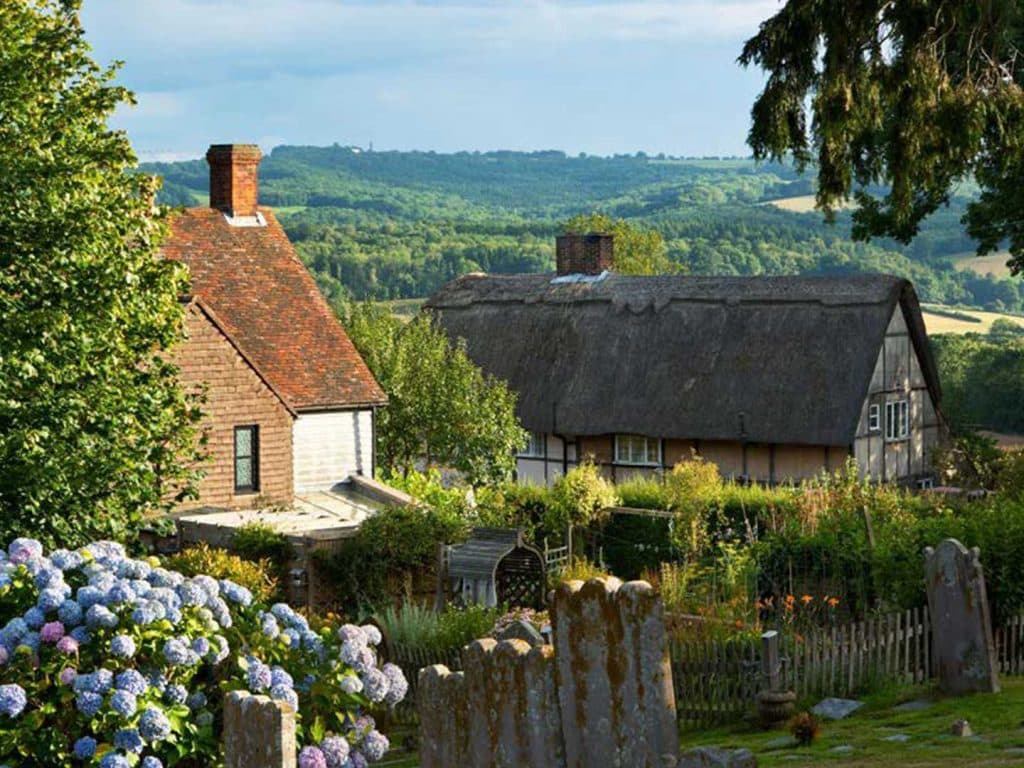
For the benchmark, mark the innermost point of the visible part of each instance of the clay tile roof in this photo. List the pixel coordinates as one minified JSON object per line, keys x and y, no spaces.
{"x":271,"y":308}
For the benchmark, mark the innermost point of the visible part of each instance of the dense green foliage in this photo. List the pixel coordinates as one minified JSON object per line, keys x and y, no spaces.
{"x":388,"y":225}
{"x":982,"y":380}
{"x":390,"y":550}
{"x":442,"y":409}
{"x":638,"y":251}
{"x":94,"y":428}
{"x":417,"y":627}
{"x":916,"y":94}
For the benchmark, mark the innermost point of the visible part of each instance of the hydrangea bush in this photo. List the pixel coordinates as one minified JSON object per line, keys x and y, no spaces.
{"x":115,"y":662}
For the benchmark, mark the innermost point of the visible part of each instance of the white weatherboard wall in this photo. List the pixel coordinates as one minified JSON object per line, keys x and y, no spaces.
{"x":328,"y":447}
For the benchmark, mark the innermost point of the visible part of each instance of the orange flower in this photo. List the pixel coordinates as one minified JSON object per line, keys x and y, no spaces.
{"x":790,"y":599}
{"x":806,"y":599}
{"x":833,"y":602}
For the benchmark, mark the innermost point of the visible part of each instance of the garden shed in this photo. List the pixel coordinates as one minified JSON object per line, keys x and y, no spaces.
{"x":495,"y":567}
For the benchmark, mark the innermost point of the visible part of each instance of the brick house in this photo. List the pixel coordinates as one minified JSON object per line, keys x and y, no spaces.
{"x":290,"y":404}
{"x":774,"y":379}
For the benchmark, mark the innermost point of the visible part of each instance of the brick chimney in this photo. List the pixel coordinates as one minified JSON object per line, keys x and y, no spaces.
{"x":234,"y":178}
{"x":589,"y":254}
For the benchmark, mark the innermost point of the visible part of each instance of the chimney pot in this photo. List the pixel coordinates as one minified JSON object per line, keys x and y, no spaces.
{"x":234,"y":178}
{"x":589,"y":254}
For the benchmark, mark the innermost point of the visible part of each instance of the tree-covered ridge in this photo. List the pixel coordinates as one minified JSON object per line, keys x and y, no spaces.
{"x":400,"y":224}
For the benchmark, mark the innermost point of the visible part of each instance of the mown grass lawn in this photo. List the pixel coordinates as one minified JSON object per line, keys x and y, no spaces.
{"x":881,"y":734}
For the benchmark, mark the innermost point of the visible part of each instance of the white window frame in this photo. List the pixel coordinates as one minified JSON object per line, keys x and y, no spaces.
{"x":874,"y":418}
{"x":628,"y":451}
{"x":897,"y":420}
{"x":535,"y":447}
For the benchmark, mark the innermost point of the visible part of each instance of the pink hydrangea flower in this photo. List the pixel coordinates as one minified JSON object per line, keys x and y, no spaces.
{"x":67,"y":644}
{"x":68,"y":675}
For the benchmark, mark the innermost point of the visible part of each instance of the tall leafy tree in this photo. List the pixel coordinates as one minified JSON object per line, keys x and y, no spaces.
{"x":915,"y":95}
{"x":94,"y":428}
{"x":442,"y":410}
{"x":638,"y":251}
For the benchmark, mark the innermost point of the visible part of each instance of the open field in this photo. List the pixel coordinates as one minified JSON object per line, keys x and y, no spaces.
{"x":800,"y":204}
{"x":936,"y":322}
{"x":881,"y":734}
{"x":404,"y":309}
{"x":993,"y":263}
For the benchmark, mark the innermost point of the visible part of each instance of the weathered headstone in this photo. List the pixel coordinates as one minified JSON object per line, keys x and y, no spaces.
{"x":520,"y":629}
{"x":258,"y":732}
{"x":963,"y":653}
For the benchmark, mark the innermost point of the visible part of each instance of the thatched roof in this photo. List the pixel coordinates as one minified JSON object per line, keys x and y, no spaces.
{"x":762,"y":359}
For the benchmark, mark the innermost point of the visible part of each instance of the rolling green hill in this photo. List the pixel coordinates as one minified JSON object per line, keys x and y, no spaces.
{"x":395,"y":225}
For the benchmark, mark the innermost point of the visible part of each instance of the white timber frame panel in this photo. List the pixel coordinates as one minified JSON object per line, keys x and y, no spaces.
{"x":897,"y":376}
{"x":329,"y":446}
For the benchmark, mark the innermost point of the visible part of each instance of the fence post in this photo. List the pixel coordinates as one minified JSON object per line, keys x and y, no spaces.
{"x":770,"y":664}
{"x":258,"y":732}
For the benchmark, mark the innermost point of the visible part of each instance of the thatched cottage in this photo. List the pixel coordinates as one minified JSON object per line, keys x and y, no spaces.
{"x":773,"y":378}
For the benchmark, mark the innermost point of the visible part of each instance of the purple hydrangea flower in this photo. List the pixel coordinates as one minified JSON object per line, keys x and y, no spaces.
{"x":373,"y":636}
{"x":398,"y":686}
{"x":312,"y":757}
{"x":12,"y":700}
{"x":374,"y":745}
{"x":22,"y":550}
{"x":51,"y":632}
{"x":68,"y":644}
{"x":335,"y":749}
{"x":67,"y":675}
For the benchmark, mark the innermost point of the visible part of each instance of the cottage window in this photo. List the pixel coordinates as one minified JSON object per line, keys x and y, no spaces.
{"x":637,"y":450}
{"x":247,"y":463}
{"x":897,"y":421}
{"x":535,"y":448}
{"x":874,"y":418}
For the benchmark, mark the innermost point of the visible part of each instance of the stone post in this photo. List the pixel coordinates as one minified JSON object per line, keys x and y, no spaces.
{"x":771,"y":666}
{"x":258,"y":732}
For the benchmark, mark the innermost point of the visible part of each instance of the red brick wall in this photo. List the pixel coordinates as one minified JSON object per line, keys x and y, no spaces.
{"x":234,"y":178}
{"x":235,"y":396}
{"x":583,"y":254}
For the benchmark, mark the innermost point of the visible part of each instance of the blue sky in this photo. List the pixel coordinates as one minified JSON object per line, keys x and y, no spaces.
{"x":596,"y":76}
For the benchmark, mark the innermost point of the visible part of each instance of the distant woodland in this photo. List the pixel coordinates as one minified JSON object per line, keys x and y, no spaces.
{"x":390,"y":225}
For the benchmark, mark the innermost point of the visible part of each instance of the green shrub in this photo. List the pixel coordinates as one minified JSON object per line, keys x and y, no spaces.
{"x":415,"y":626}
{"x":643,"y":493}
{"x":259,"y":541}
{"x":635,"y":543}
{"x":694,"y":488}
{"x":256,"y":576}
{"x":579,"y":498}
{"x":390,"y":547}
{"x":510,"y":505}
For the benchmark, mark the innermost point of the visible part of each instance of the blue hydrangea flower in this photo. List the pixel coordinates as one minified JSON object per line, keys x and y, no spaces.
{"x":236,"y":593}
{"x":175,"y":694}
{"x":258,"y":675}
{"x":82,"y":635}
{"x":201,"y":646}
{"x":286,"y":694}
{"x":65,"y":560}
{"x":269,"y":626}
{"x":114,"y":760}
{"x":294,"y":638}
{"x":51,"y":598}
{"x":132,"y":681}
{"x":335,"y":749}
{"x":70,"y":613}
{"x":21,"y":550}
{"x":204,"y":718}
{"x":176,"y":652}
{"x":100,"y":616}
{"x":13,"y":631}
{"x":122,"y":646}
{"x":34,"y":617}
{"x":124,"y":703}
{"x":129,"y":740}
{"x":88,"y":703}
{"x":88,"y":596}
{"x":279,"y":676}
{"x":374,"y":745}
{"x":192,"y":594}
{"x":196,"y":700}
{"x":154,"y":725}
{"x":85,"y":748}
{"x":121,"y":592}
{"x":372,"y":634}
{"x":351,"y":684}
{"x":151,"y":762}
{"x":12,"y":700}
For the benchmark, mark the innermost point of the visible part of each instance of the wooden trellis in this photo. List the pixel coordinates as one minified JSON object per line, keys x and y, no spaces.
{"x":495,"y":567}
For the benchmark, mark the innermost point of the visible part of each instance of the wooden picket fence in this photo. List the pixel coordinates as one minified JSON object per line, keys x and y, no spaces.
{"x":1009,"y":642}
{"x":717,"y":681}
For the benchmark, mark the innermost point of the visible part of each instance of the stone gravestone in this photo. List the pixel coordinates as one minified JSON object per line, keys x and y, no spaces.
{"x":258,"y":732}
{"x":963,"y":654}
